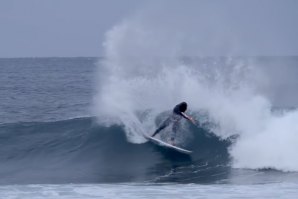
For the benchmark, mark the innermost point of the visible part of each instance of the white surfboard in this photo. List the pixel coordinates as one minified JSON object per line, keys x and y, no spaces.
{"x":167,"y":145}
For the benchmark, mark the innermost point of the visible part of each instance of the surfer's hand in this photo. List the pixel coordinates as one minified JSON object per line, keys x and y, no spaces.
{"x":192,"y":120}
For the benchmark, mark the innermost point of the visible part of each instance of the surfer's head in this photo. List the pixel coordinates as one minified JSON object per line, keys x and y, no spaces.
{"x":183,"y":106}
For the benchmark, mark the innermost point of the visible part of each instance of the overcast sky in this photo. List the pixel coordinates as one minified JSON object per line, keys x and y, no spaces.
{"x":47,"y":28}
{"x":36,"y":28}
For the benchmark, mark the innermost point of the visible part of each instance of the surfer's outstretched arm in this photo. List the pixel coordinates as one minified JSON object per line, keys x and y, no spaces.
{"x":188,"y":117}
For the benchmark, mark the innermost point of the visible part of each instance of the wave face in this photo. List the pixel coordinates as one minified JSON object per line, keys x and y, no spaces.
{"x":80,"y":151}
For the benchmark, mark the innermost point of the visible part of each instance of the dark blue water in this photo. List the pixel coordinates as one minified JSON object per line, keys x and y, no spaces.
{"x":45,"y":89}
{"x":48,"y":135}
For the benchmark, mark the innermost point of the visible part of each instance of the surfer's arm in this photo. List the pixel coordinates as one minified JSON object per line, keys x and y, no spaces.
{"x":188,"y":117}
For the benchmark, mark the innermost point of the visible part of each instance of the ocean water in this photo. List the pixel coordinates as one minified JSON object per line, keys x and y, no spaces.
{"x":71,"y":128}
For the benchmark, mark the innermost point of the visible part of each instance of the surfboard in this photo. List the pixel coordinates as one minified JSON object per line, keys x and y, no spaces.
{"x":167,"y":145}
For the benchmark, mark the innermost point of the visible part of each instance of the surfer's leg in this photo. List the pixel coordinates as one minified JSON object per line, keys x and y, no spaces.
{"x":174,"y":131}
{"x":173,"y":134}
{"x":173,"y":141}
{"x":159,"y":129}
{"x":164,"y":125}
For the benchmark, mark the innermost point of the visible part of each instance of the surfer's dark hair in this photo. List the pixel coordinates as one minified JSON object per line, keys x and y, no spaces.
{"x":183,"y":106}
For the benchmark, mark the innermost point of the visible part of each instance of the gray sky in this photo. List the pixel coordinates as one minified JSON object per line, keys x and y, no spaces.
{"x":36,"y":28}
{"x":43,"y":28}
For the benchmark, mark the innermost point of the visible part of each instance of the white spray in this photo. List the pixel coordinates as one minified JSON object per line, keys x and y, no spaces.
{"x":146,"y":69}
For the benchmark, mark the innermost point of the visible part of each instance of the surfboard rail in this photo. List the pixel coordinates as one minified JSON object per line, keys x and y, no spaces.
{"x":167,"y":145}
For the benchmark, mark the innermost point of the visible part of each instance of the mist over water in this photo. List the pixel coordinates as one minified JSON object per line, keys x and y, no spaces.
{"x":161,"y":56}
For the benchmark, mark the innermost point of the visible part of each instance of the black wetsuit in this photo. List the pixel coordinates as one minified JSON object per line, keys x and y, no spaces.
{"x":174,"y":118}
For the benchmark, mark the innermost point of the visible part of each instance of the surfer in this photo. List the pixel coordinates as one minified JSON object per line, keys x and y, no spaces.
{"x":175,"y":117}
